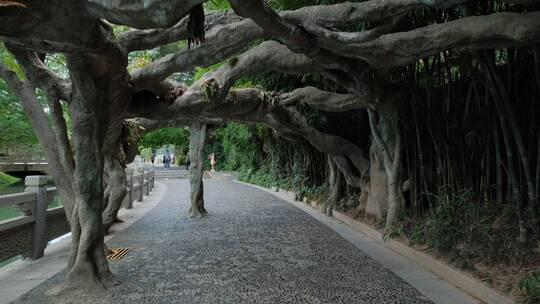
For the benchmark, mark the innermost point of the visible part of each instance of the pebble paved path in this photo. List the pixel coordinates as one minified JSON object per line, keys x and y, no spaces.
{"x":252,"y":248}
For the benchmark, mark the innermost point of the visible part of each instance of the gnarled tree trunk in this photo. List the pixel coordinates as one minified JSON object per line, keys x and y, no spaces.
{"x":115,"y":192}
{"x":98,"y":99}
{"x":377,"y":200}
{"x":387,"y":139}
{"x":115,"y":174}
{"x":335,"y":183}
{"x":364,"y":195}
{"x":87,"y":266}
{"x":197,"y":139}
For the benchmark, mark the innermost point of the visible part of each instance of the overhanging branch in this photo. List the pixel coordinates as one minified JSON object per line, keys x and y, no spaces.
{"x":136,"y":40}
{"x":142,"y":14}
{"x":480,"y":32}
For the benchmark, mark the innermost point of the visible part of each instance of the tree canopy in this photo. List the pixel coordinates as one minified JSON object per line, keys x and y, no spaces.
{"x":164,"y":136}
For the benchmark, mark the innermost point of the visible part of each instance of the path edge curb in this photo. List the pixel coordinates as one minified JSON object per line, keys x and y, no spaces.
{"x":455,"y":277}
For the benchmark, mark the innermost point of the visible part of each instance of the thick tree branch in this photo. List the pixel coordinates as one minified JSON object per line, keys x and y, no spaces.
{"x":325,"y":101}
{"x":221,"y":43}
{"x":268,"y":56}
{"x":343,"y":165}
{"x":136,"y":40}
{"x":298,"y":40}
{"x":53,"y":85}
{"x":142,"y":14}
{"x":150,"y":125}
{"x":295,"y":37}
{"x":349,"y":13}
{"x":325,"y":143}
{"x":51,"y":26}
{"x":481,"y":32}
{"x":328,"y":38}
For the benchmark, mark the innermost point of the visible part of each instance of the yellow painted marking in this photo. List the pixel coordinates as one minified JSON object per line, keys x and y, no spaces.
{"x":117,"y":253}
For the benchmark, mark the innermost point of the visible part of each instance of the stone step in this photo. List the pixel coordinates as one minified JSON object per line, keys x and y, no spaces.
{"x":171,"y":174}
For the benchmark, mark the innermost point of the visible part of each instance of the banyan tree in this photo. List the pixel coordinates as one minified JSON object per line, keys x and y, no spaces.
{"x":365,"y":48}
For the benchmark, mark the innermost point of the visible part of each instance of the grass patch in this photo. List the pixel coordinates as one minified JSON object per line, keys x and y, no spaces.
{"x":6,"y":179}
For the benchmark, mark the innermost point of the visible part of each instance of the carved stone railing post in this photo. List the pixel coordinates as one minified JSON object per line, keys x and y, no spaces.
{"x":141,"y":185}
{"x":129,"y":173}
{"x":152,"y":175}
{"x":147,"y":188}
{"x":38,"y":185}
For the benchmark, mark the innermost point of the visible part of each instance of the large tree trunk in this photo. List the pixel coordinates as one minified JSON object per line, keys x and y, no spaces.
{"x":364,"y":195}
{"x":87,"y":266}
{"x":197,"y":140}
{"x":395,"y":189}
{"x":115,"y":174}
{"x":377,"y":200}
{"x":115,"y":192}
{"x":96,"y":106}
{"x":387,"y":140}
{"x":335,"y":183}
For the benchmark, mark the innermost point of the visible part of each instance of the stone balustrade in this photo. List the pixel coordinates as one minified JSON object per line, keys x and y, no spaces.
{"x":29,"y":234}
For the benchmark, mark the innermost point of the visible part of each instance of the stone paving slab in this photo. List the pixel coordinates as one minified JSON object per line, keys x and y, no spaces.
{"x":252,"y":248}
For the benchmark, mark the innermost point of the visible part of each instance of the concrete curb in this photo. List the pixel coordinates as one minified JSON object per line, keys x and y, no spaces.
{"x":453,"y":276}
{"x":440,"y":268}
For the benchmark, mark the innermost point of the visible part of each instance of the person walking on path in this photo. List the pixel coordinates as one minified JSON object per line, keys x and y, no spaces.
{"x":153,"y":158}
{"x":212,"y":159}
{"x":188,"y":162}
{"x":167,"y":160}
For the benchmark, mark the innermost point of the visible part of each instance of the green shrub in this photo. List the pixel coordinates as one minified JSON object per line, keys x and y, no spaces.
{"x":531,"y":285}
{"x":180,"y":159}
{"x":347,"y":203}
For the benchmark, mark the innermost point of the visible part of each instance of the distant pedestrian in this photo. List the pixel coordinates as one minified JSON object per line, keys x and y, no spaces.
{"x":167,"y":160}
{"x":153,"y":158}
{"x":188,"y":163}
{"x":212,"y":159}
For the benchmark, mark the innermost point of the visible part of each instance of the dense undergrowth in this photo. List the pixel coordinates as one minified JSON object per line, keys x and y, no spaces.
{"x":479,"y":237}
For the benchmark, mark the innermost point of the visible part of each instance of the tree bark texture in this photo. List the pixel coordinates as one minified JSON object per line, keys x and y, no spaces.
{"x":197,"y":140}
{"x":387,"y":140}
{"x":115,"y":192}
{"x":335,"y":184}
